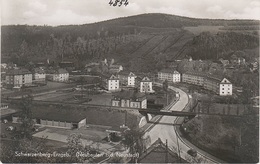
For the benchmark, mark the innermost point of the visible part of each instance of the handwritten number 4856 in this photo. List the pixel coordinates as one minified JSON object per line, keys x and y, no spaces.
{"x":118,"y":2}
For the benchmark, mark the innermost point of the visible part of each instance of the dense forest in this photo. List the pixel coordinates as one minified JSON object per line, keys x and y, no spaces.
{"x":153,"y":38}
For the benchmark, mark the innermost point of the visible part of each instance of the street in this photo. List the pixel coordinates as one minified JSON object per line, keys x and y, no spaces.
{"x":166,"y":131}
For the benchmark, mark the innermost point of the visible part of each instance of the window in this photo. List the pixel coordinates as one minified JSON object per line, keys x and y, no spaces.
{"x":222,"y":88}
{"x":223,"y":92}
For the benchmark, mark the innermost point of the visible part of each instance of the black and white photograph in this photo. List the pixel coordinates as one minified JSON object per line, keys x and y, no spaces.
{"x":129,"y":81}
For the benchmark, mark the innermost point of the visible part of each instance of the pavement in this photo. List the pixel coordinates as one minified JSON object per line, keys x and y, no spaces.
{"x":166,"y":131}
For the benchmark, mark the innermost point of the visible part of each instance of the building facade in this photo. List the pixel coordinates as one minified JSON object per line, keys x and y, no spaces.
{"x":225,"y":88}
{"x":16,"y":78}
{"x":169,"y":75}
{"x":39,"y":74}
{"x":131,"y":80}
{"x":220,"y":86}
{"x":59,"y":75}
{"x":113,"y":83}
{"x":146,"y":85}
{"x":129,"y":99}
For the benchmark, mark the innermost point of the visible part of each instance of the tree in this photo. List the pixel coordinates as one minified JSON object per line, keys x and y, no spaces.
{"x":26,"y":116}
{"x":165,"y":88}
{"x":74,"y":143}
{"x":133,"y":141}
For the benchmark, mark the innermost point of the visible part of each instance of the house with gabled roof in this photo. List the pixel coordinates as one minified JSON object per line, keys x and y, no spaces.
{"x":225,"y":87}
{"x":146,"y":85}
{"x":159,"y":152}
{"x":131,"y":79}
{"x":113,"y":83}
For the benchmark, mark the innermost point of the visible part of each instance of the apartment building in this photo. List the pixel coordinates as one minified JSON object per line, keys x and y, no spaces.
{"x":39,"y":74}
{"x":113,"y":83}
{"x":16,"y":78}
{"x":146,"y":85}
{"x":131,"y":80}
{"x":59,"y":75}
{"x":169,"y":75}
{"x":221,"y":86}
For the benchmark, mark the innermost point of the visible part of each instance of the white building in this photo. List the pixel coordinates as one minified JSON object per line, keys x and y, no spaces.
{"x":131,"y":79}
{"x":59,"y":75}
{"x":169,"y":75}
{"x":113,"y":83}
{"x":225,"y":88}
{"x":16,"y":78}
{"x":146,"y":85}
{"x":39,"y":74}
{"x":129,"y":99}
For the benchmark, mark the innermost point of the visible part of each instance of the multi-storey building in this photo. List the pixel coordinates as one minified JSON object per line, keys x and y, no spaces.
{"x":123,"y":77}
{"x":59,"y":75}
{"x":146,"y":85}
{"x":220,"y":86}
{"x":39,"y":74}
{"x":113,"y":83}
{"x":169,"y":75}
{"x":131,"y":79}
{"x":225,"y":87}
{"x":193,"y":78}
{"x":130,"y":99}
{"x":16,"y":78}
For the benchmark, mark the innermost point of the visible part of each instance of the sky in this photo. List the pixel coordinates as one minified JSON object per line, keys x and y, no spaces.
{"x":66,"y":12}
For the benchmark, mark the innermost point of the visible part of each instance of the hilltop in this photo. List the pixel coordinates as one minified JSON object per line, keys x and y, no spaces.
{"x":141,"y":42}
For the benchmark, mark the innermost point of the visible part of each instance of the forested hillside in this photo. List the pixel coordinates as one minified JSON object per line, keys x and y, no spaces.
{"x":141,"y":43}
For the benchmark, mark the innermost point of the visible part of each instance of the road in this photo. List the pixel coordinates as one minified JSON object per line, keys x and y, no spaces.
{"x":166,"y":131}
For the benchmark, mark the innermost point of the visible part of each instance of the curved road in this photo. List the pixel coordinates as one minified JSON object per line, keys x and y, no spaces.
{"x":166,"y":131}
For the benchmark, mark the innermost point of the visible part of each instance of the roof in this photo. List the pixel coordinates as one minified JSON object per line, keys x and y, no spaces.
{"x":18,"y":72}
{"x":92,"y":63}
{"x":131,"y":94}
{"x":146,"y":79}
{"x":225,"y":81}
{"x":123,"y":73}
{"x":131,"y":74}
{"x":156,"y":153}
{"x":58,"y":71}
{"x":57,"y":114}
{"x":39,"y":70}
{"x":115,"y":66}
{"x":169,"y":71}
{"x":205,"y":75}
{"x":113,"y":77}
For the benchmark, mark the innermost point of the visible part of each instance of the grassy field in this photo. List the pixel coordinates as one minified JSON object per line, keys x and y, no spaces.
{"x":199,"y":29}
{"x":51,"y":86}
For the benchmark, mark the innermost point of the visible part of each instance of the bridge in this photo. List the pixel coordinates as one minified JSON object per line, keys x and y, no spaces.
{"x":167,"y":112}
{"x":190,"y":115}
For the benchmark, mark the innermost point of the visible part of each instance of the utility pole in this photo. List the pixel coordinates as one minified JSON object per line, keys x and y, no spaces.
{"x":179,"y":154}
{"x":166,"y":151}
